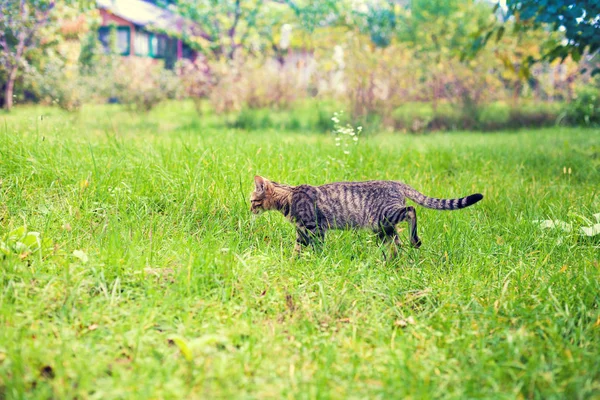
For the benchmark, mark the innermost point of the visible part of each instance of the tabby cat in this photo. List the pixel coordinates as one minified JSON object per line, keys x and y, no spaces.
{"x":376,"y":205}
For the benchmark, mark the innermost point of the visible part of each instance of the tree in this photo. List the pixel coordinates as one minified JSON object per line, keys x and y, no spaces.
{"x":221,"y":27}
{"x":20,"y":24}
{"x":437,"y":31}
{"x":579,"y":22}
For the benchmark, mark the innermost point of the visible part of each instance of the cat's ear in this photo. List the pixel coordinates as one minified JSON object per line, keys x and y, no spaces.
{"x":260,"y":183}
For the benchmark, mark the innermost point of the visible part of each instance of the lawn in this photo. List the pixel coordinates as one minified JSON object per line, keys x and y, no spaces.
{"x":155,"y":281}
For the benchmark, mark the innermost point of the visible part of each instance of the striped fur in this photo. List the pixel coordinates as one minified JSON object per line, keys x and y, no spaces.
{"x":375,"y":205}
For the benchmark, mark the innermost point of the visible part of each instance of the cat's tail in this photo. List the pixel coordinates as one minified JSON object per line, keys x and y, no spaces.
{"x":440,"y":204}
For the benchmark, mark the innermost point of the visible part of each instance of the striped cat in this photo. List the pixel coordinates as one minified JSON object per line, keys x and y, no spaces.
{"x":375,"y":205}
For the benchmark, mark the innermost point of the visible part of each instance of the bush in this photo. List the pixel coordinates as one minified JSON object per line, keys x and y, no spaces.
{"x":252,"y":120}
{"x":62,"y":85}
{"x":419,"y":117}
{"x":584,"y":109}
{"x":533,"y":115}
{"x":196,"y":80}
{"x":413,"y":117}
{"x":255,"y":84}
{"x":142,"y":84}
{"x":494,"y":116}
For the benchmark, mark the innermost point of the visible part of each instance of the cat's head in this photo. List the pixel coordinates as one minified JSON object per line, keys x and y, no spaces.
{"x":261,"y":197}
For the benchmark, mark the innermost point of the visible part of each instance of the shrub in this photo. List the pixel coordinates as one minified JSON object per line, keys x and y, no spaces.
{"x":196,"y":80}
{"x":413,"y":117}
{"x":419,"y":117}
{"x":584,"y":109}
{"x":142,"y":84}
{"x":255,"y":84}
{"x":252,"y":120}
{"x":63,"y":85}
{"x":534,"y":115}
{"x":450,"y":117}
{"x":494,"y":116}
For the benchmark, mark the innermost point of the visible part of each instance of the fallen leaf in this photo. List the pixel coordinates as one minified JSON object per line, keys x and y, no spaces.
{"x":93,"y":327}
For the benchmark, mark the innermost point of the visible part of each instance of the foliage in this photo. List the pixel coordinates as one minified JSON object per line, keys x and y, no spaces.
{"x":232,"y":85}
{"x":142,"y":85}
{"x":223,"y":28}
{"x":578,"y":23}
{"x":46,"y":27}
{"x":63,"y":84}
{"x":196,"y":80}
{"x":91,"y":52}
{"x":584,"y":109}
{"x":20,"y":25}
{"x":494,"y":116}
{"x":186,"y":294}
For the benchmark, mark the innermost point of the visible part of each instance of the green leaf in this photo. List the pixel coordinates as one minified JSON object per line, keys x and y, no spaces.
{"x":16,"y":234}
{"x":32,"y":241}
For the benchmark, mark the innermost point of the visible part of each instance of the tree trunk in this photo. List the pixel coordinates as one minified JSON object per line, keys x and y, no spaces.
{"x":8,"y":92}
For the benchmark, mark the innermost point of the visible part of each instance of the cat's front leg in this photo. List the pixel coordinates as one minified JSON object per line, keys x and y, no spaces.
{"x":306,"y":236}
{"x":303,"y":239}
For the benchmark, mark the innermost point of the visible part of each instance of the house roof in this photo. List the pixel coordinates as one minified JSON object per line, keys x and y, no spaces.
{"x":143,"y":14}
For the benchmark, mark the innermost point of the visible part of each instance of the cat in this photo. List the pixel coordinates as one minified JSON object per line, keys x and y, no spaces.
{"x":375,"y":205}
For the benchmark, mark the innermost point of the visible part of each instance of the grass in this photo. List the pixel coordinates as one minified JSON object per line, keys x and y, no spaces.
{"x":159,"y":283}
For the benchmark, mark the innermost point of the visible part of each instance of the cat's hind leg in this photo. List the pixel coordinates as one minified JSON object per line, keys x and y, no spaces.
{"x":410,"y":215}
{"x":388,"y":235}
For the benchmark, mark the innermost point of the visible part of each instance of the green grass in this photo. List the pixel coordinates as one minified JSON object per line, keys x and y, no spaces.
{"x":186,"y":295}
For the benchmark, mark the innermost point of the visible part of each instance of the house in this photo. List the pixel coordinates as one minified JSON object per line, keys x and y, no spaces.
{"x":144,"y":30}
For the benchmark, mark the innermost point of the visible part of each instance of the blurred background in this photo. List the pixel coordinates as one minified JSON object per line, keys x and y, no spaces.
{"x":404,"y":65}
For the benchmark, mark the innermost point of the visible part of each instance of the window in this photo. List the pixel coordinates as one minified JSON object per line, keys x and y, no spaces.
{"x":187,"y":52}
{"x":123,"y":36}
{"x":142,"y":44}
{"x":158,"y":46}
